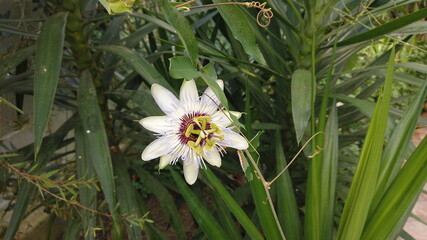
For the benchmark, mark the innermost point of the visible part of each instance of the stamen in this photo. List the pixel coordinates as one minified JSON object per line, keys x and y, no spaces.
{"x":189,"y":129}
{"x":195,"y":147}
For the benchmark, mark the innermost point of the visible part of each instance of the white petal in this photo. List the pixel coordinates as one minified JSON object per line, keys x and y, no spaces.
{"x":213,"y":157}
{"x":157,"y":124}
{"x":223,"y":119}
{"x":158,"y":147}
{"x":233,"y":140}
{"x":165,"y":160}
{"x":191,"y":171}
{"x":164,"y":98}
{"x":188,"y":92}
{"x":209,"y":98}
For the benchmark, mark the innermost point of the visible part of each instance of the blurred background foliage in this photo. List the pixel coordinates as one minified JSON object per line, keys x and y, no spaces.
{"x":353,"y":70}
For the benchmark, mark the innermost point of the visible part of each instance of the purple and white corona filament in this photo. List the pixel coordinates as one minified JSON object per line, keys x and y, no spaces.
{"x":194,"y":129}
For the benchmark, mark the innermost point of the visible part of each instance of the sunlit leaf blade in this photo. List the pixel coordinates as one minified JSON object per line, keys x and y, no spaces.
{"x":85,"y":171}
{"x":397,"y":146}
{"x":183,"y":30}
{"x":203,"y":217}
{"x":138,"y":63}
{"x":241,"y":28}
{"x":165,"y":200}
{"x":402,"y":192}
{"x":385,"y":28}
{"x":94,"y":130}
{"x":287,"y":208}
{"x":46,"y":72}
{"x":364,"y":182}
{"x":250,"y":229}
{"x":301,"y":91}
{"x":328,"y":176}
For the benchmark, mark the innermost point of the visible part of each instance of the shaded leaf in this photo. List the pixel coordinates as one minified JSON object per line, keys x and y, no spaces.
{"x":183,"y":30}
{"x":46,"y":73}
{"x":241,"y":28}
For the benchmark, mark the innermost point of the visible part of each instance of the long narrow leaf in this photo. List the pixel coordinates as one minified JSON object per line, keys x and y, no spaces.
{"x":94,"y":129}
{"x":287,"y":208}
{"x":138,"y":63}
{"x":183,"y":30}
{"x":85,"y":171}
{"x":301,"y":92}
{"x":241,"y":28}
{"x":329,"y":175}
{"x":128,"y":200}
{"x":364,"y":183}
{"x":399,"y":197}
{"x":397,"y":146}
{"x":233,"y":206}
{"x":270,"y":226}
{"x":386,"y":28}
{"x":47,"y":66}
{"x":165,"y":200}
{"x":203,"y":217}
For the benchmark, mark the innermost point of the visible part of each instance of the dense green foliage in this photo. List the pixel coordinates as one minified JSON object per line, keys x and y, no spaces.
{"x":346,"y":77}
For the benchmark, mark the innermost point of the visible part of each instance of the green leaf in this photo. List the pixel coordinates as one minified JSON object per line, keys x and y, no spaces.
{"x":16,"y":59}
{"x":165,"y":199}
{"x":138,"y":63}
{"x":385,"y":28}
{"x":183,"y":30}
{"x":181,"y":67}
{"x":208,"y":224}
{"x":328,"y":176}
{"x":419,"y":67}
{"x":227,"y":222}
{"x":301,"y":92}
{"x":287,"y":208}
{"x":216,"y":89}
{"x":233,"y":206}
{"x":93,"y":126}
{"x":399,"y":197}
{"x":364,"y":183}
{"x":241,"y":28}
{"x":127,"y":198}
{"x":73,"y":230}
{"x":46,"y":73}
{"x":265,"y":213}
{"x":85,"y":171}
{"x":394,"y":152}
{"x":117,"y":6}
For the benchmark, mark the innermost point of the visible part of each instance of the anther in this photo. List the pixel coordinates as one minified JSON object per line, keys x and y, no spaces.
{"x":189,"y":130}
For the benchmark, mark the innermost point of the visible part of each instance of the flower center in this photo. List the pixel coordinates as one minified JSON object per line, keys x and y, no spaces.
{"x":200,"y":132}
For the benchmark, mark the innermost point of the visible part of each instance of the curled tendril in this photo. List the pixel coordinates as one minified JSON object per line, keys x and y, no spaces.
{"x":264,"y":12}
